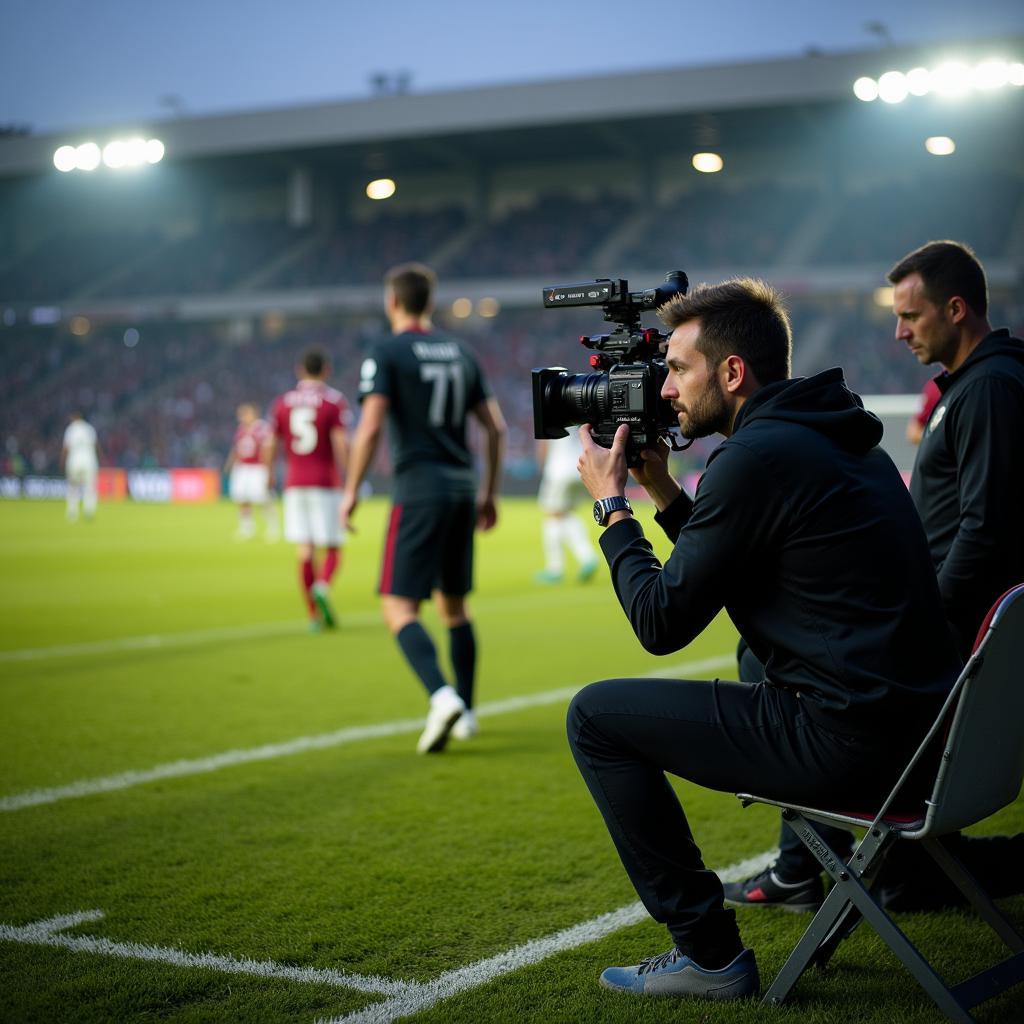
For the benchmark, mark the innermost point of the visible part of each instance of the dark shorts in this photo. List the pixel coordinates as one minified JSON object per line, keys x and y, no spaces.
{"x":429,"y":547}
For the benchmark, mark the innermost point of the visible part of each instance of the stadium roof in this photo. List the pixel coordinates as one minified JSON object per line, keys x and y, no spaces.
{"x":561,"y":118}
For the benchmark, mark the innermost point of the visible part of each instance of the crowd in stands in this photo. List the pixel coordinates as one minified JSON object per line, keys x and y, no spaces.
{"x":361,"y":252}
{"x":870,"y":225}
{"x":713,"y":226}
{"x":710,"y":224}
{"x":169,"y":397}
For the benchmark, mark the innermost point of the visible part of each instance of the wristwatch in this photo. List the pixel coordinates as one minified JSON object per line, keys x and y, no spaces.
{"x":604,"y":507}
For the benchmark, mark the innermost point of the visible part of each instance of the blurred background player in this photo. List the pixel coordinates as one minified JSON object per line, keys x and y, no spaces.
{"x":425,"y":384}
{"x":562,"y":528}
{"x":250,"y":475}
{"x":928,"y":399}
{"x":80,"y":460}
{"x":312,"y":422}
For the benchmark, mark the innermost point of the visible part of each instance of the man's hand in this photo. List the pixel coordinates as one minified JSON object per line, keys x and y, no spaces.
{"x":349,"y":501}
{"x":653,"y":475}
{"x":603,"y":470}
{"x":486,"y":514}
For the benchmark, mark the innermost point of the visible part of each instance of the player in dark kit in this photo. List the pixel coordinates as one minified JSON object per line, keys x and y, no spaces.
{"x":425,"y":384}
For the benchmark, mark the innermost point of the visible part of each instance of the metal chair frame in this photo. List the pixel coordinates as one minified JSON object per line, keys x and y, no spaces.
{"x":981,"y":771}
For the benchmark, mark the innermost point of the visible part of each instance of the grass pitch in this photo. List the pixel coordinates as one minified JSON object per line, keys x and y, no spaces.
{"x":204,"y":777}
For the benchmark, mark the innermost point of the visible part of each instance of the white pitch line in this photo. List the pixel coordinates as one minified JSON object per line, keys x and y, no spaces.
{"x":402,"y":998}
{"x":419,"y":997}
{"x":48,"y":933}
{"x":301,"y":745}
{"x":156,"y":641}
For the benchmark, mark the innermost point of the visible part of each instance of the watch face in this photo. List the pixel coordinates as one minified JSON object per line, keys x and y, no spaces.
{"x":598,"y":513}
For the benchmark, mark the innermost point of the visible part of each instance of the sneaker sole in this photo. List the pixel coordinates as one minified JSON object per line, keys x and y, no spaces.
{"x":793,"y":908}
{"x":741,"y":988}
{"x":441,"y":740}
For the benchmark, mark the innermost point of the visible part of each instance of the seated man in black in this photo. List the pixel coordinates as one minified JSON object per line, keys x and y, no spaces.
{"x":802,"y":529}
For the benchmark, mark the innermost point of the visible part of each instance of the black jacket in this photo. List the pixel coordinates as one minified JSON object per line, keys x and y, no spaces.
{"x":803,"y":530}
{"x":968,"y":482}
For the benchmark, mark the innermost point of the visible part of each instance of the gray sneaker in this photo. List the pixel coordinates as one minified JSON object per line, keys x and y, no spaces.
{"x":673,"y":974}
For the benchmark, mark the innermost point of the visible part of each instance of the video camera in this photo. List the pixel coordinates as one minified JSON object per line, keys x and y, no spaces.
{"x":629,"y":371}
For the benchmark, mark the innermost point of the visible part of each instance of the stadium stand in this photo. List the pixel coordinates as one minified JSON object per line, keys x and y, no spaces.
{"x":157,"y":306}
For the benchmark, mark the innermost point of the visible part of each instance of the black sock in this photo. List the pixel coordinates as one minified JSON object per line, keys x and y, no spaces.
{"x":463,"y":653}
{"x":419,"y":650}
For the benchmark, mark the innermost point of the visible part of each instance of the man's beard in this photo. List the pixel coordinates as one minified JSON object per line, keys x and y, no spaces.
{"x":708,"y":415}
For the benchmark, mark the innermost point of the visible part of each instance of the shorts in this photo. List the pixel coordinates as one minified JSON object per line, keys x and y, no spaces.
{"x":248,"y":483}
{"x":429,"y":547}
{"x":82,"y":473}
{"x":311,"y":516}
{"x":559,"y":492}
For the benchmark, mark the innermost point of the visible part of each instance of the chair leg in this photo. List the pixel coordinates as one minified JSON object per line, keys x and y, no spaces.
{"x":837,"y":917}
{"x":849,"y":896}
{"x":978,"y":898}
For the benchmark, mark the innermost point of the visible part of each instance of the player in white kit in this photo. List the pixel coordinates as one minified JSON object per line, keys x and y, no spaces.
{"x":249,"y":480}
{"x":80,"y":460}
{"x":559,"y":491}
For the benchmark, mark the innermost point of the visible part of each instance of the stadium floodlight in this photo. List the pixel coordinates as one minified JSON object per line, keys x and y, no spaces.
{"x":919,"y":81}
{"x":707,"y":163}
{"x":488,"y":307}
{"x":865,"y":89}
{"x":940,"y":145}
{"x":990,"y":74}
{"x":462,"y":308}
{"x":114,"y":155}
{"x":884,"y":296}
{"x":65,"y":159}
{"x":87,"y":156}
{"x":892,"y":87}
{"x":381,"y":188}
{"x":951,"y":79}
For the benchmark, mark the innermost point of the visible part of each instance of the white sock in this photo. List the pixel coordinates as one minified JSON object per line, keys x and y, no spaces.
{"x":578,"y":540}
{"x":554,"y":559}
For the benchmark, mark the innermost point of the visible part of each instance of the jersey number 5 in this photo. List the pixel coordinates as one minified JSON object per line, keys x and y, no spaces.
{"x":440,"y":376}
{"x":302,"y":425}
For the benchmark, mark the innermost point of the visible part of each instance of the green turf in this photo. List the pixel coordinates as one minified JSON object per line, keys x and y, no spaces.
{"x":360,"y":857}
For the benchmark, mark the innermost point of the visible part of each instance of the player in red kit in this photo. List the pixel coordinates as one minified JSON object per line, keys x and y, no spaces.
{"x":249,"y":473}
{"x":312,"y":423}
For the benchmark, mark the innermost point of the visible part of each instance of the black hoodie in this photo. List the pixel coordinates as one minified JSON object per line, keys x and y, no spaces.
{"x":968,"y":482}
{"x":802,"y":529}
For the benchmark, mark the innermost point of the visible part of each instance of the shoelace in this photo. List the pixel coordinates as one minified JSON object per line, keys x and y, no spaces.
{"x":653,"y":963}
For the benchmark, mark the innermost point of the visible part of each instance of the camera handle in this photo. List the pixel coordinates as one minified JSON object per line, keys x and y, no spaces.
{"x":673,"y":444}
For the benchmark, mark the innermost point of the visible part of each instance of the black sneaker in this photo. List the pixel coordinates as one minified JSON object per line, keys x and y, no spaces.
{"x":768,"y":890}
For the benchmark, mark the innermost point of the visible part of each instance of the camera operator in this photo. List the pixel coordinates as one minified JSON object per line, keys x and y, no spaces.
{"x":802,"y":529}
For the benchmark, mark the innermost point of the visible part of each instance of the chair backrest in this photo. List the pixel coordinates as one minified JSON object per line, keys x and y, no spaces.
{"x":982,"y":765}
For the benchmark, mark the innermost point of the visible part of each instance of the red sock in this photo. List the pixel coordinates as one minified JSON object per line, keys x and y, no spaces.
{"x":331,"y":560}
{"x":307,"y":577}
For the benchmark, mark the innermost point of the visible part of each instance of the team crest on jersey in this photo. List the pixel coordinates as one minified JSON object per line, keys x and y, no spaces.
{"x":366,"y":374}
{"x":936,"y":418}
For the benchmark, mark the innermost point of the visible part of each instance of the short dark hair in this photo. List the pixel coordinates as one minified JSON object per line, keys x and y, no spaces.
{"x":314,"y":361}
{"x":743,"y":317}
{"x":413,"y":285}
{"x":947,"y":269}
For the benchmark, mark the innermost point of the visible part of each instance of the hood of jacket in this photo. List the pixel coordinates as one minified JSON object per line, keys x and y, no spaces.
{"x":822,"y":402}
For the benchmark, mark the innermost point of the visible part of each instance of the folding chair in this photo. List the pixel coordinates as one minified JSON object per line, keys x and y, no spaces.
{"x":980,"y":772}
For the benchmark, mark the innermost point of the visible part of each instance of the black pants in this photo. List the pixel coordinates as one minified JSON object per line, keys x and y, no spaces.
{"x":626,"y":733}
{"x":795,"y":862}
